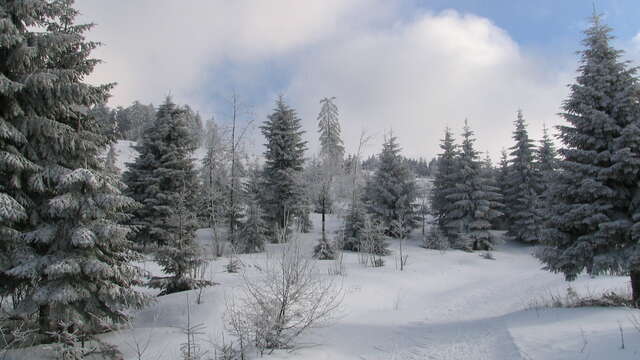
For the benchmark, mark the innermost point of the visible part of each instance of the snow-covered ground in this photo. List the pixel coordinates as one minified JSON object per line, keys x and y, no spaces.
{"x":445,"y":305}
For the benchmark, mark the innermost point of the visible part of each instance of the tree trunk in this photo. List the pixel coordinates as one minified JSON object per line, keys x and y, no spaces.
{"x":635,"y":286}
{"x":323,"y":218}
{"x":44,"y":318}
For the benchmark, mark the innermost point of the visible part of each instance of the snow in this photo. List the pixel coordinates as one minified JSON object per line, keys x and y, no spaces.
{"x":445,"y":305}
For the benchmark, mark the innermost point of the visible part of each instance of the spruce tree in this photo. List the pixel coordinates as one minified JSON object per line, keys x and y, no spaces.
{"x":160,"y":172}
{"x":444,"y":181}
{"x":164,"y":181}
{"x":594,"y":222}
{"x":61,"y":211}
{"x":501,"y":181}
{"x":283,"y":198}
{"x":391,"y":191}
{"x":253,"y":229}
{"x":473,"y":202}
{"x":521,"y":187}
{"x":331,"y":145}
{"x":546,"y":166}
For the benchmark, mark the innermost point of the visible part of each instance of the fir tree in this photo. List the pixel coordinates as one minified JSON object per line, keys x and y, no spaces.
{"x":354,"y":223}
{"x":521,"y":187}
{"x":391,"y":192}
{"x":546,"y":166}
{"x":283,"y":198}
{"x":253,"y":230}
{"x":157,"y":177}
{"x":501,"y":181}
{"x":444,"y":181}
{"x":594,"y":219}
{"x":473,"y":202}
{"x":61,"y":212}
{"x":331,"y":145}
{"x":110,"y":161}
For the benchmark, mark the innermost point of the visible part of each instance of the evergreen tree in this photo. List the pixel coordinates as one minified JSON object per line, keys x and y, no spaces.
{"x":522,"y":187}
{"x":501,"y":180}
{"x":163,"y":179}
{"x":594,"y":222}
{"x":134,"y":120}
{"x":110,"y":161}
{"x":61,"y":212}
{"x":391,"y":192}
{"x":444,"y":180}
{"x":283,"y":198}
{"x":253,"y":230}
{"x":546,"y":166}
{"x":157,"y":177}
{"x":331,"y":145}
{"x":473,"y":202}
{"x":353,"y":226}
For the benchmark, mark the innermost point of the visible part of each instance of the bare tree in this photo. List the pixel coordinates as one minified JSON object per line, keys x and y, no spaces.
{"x":289,"y":298}
{"x":238,"y":109}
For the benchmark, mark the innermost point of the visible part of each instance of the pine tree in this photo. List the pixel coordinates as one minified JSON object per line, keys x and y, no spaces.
{"x":444,"y":181}
{"x":391,"y":192}
{"x":473,"y":202}
{"x":546,"y":166}
{"x":110,"y":161}
{"x":283,"y":198}
{"x":157,"y":177}
{"x":331,"y":145}
{"x":594,"y":222}
{"x":253,"y":230}
{"x":61,"y":212}
{"x":353,"y":225}
{"x":501,"y":181}
{"x":522,"y":187}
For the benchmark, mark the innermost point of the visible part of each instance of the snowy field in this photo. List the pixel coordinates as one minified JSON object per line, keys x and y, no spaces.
{"x":445,"y":305}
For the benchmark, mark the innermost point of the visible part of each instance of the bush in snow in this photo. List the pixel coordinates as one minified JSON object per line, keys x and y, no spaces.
{"x":289,"y":298}
{"x":325,"y":249}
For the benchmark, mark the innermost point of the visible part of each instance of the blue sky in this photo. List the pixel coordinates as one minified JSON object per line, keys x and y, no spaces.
{"x":412,"y":66}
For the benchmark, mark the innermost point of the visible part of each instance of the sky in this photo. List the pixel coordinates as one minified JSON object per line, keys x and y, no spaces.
{"x":410,"y":67}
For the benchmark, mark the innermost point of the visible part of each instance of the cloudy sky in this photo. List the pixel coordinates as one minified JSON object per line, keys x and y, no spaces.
{"x":409,"y":66}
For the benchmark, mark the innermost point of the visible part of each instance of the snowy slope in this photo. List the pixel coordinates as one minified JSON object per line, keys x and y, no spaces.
{"x":445,"y":305}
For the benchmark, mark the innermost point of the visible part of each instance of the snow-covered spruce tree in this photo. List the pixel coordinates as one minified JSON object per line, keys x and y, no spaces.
{"x":331,"y":145}
{"x":391,"y":191}
{"x":546,"y":165}
{"x":283,"y":196}
{"x":252,"y":231}
{"x":473,"y":202}
{"x":72,"y":252}
{"x":163,"y":167}
{"x":110,"y":161}
{"x":501,"y":180}
{"x":521,"y":187}
{"x":594,"y":197}
{"x":163,"y":179}
{"x":444,"y":180}
{"x":134,"y":120}
{"x":180,"y":256}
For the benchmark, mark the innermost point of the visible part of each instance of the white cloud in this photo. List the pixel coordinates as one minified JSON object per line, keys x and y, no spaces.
{"x":420,"y":76}
{"x":156,"y":46}
{"x":414,"y":76}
